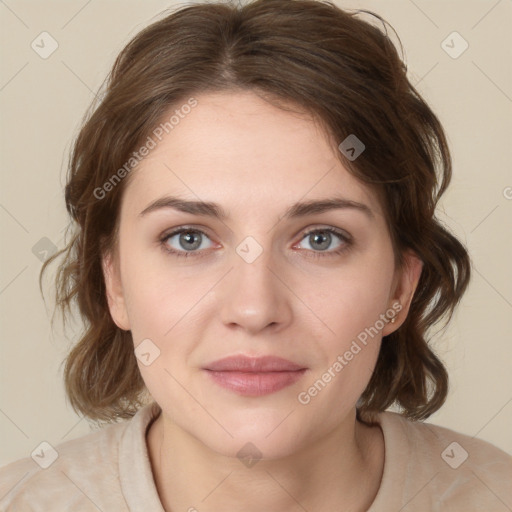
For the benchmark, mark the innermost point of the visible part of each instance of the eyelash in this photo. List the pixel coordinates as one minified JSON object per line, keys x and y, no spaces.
{"x":316,"y":254}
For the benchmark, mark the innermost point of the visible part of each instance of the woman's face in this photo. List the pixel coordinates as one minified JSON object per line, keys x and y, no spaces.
{"x":267,"y":279}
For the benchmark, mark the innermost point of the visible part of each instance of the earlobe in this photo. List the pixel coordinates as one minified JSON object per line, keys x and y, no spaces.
{"x":404,"y":293}
{"x":114,"y":291}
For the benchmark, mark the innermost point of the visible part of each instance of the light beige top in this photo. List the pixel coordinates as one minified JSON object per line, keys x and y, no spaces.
{"x":427,"y":468}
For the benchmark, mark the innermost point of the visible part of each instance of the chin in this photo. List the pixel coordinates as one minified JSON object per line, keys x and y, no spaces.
{"x":249,"y":449}
{"x":258,"y":433}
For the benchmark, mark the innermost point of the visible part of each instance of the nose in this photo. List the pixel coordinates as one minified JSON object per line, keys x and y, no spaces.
{"x":254,"y":296}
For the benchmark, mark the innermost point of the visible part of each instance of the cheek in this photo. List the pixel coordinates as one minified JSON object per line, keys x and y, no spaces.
{"x":353,"y":299}
{"x":158,"y":297}
{"x":166,"y":308}
{"x":349,"y":355}
{"x":351,"y":305}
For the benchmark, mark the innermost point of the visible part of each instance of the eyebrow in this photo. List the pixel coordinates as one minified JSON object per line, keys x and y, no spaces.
{"x":297,"y":210}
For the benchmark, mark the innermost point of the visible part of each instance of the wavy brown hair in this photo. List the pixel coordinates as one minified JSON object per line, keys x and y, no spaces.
{"x":320,"y":59}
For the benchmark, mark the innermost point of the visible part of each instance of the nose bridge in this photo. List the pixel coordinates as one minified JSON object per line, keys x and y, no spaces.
{"x":253,"y":296}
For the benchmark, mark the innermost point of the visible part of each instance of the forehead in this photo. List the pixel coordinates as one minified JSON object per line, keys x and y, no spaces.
{"x":238,"y":149}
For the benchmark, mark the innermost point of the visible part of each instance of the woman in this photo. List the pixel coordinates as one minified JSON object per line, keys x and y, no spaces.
{"x":258,"y":263}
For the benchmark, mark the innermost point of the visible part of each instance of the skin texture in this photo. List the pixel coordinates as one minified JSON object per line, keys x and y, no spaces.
{"x":255,"y":160}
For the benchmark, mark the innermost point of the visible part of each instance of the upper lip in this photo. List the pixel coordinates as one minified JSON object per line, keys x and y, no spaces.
{"x":240,"y":363}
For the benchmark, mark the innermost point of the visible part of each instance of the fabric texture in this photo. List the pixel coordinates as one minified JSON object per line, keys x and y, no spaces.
{"x":427,"y":468}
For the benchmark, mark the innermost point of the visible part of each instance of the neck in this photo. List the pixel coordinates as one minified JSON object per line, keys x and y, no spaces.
{"x":341,"y":469}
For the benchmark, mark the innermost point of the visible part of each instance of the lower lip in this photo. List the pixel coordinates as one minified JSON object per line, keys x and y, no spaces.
{"x":255,"y":384}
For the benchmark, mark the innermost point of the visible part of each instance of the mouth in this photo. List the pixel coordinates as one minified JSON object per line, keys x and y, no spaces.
{"x":254,"y":376}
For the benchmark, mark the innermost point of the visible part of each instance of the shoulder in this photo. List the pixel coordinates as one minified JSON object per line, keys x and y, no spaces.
{"x":447,"y":447}
{"x":445,"y":469}
{"x":66,"y":476}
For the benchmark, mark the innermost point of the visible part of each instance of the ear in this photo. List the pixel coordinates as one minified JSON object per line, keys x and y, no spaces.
{"x":114,"y":289}
{"x":405,"y":284}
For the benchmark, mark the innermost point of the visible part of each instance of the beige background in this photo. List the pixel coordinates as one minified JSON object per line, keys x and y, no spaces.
{"x":43,"y":101}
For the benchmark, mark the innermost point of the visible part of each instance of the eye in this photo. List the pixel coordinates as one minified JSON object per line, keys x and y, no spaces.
{"x":320,"y":240}
{"x":188,"y":241}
